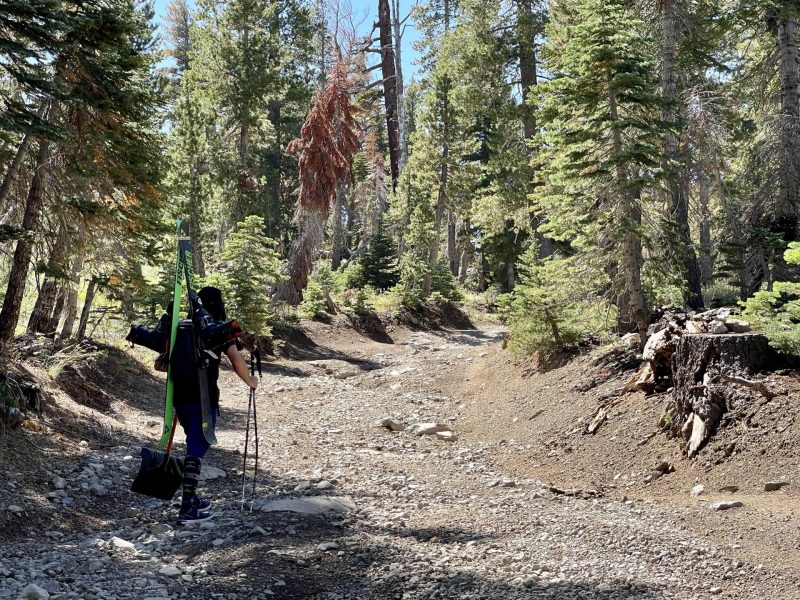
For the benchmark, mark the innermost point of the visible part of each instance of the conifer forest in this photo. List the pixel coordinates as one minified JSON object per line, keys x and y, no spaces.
{"x":525,"y":274}
{"x":580,"y":163}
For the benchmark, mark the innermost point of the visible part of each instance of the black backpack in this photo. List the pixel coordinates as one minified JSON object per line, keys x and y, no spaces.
{"x":184,"y":356}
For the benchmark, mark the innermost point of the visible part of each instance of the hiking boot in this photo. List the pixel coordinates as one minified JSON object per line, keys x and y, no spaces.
{"x":191,"y":514}
{"x":197,"y":502}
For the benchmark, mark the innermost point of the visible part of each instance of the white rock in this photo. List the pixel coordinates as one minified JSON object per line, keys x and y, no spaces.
{"x":15,"y":509}
{"x":328,"y":546}
{"x":697,"y":490}
{"x":315,"y":505}
{"x":33,"y":592}
{"x":738,"y":326}
{"x":59,"y":483}
{"x":727,"y":505}
{"x":717,"y":328}
{"x":120,"y":544}
{"x":654,"y":343}
{"x":323,"y":485}
{"x":447,"y":436}
{"x":392,"y":424}
{"x":695,"y":327}
{"x":429,"y":428}
{"x":210,"y":472}
{"x":170,"y":571}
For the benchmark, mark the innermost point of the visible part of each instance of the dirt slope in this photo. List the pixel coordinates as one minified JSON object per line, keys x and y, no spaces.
{"x":427,"y":518}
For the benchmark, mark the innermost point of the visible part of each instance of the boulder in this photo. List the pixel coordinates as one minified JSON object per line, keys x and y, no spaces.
{"x":33,"y":592}
{"x":727,"y":505}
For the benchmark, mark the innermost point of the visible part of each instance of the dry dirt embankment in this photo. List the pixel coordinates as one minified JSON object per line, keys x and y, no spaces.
{"x":481,"y":515}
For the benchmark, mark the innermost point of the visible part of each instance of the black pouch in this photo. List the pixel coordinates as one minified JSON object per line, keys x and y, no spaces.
{"x":160,"y":475}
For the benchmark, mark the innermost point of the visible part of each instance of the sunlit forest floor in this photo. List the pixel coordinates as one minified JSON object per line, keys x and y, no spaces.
{"x":515,"y":503}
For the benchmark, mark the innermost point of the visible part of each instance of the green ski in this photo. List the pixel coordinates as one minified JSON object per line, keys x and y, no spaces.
{"x":169,"y":410}
{"x":186,"y":263}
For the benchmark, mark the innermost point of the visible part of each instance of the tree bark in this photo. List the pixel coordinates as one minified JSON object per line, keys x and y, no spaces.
{"x":389,"y":74}
{"x":17,"y":278}
{"x":402,"y":121}
{"x":789,"y":64}
{"x":42,"y":313}
{"x":338,"y":234}
{"x":87,"y":308}
{"x":699,"y":401}
{"x":632,"y":306}
{"x":452,"y":250}
{"x":301,"y":260}
{"x":679,"y":193}
{"x":71,"y":309}
{"x":706,"y":251}
{"x":13,"y":169}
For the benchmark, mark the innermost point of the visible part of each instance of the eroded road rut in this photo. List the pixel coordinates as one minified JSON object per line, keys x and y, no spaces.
{"x":417,"y":517}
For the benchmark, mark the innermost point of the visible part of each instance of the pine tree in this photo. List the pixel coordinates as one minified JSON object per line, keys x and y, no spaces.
{"x":602,"y":142}
{"x":380,"y":262}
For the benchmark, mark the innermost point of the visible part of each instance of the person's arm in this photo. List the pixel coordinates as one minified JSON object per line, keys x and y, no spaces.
{"x":240,"y":366}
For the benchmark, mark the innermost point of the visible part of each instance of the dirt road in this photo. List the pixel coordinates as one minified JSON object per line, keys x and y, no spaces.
{"x":408,"y":516}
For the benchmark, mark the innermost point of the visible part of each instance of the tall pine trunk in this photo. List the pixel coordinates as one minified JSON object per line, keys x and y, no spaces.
{"x":17,"y":278}
{"x":632,"y":306}
{"x":679,"y":192}
{"x":41,"y":317}
{"x":529,"y":79}
{"x":87,"y":308}
{"x":402,"y":119}
{"x":706,"y":251}
{"x":338,"y":234}
{"x":71,"y":308}
{"x":452,"y":249}
{"x":301,"y":259}
{"x":789,"y":65}
{"x":13,"y":169}
{"x":389,"y":74}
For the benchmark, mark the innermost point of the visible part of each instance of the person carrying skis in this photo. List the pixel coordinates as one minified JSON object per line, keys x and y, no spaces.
{"x":218,"y":337}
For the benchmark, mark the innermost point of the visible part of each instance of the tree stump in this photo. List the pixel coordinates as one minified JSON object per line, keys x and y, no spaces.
{"x":699,"y":366}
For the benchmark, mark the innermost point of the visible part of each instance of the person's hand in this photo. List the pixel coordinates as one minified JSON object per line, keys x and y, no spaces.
{"x":253,"y":382}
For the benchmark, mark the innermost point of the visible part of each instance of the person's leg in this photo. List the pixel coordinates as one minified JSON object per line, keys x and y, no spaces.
{"x":190,"y":418}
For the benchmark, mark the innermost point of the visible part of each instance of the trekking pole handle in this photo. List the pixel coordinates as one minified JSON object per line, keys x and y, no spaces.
{"x":255,"y":361}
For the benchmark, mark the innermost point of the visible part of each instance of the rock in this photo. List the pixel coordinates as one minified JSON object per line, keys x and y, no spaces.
{"x":447,"y":436}
{"x":33,"y":592}
{"x":629,"y":340}
{"x":392,"y":424}
{"x":59,"y":483}
{"x":302,"y":486}
{"x":738,"y":326}
{"x":774,"y":486}
{"x":210,"y":472}
{"x":328,"y":546}
{"x":729,"y":488}
{"x":429,"y":428}
{"x":323,"y":485}
{"x":727,"y":505}
{"x":717,"y":328}
{"x":97,"y":489}
{"x":697,"y":490}
{"x":695,"y":327}
{"x":120,"y":544}
{"x":15,"y":509}
{"x":315,"y":505}
{"x":170,"y":571}
{"x":715,"y":590}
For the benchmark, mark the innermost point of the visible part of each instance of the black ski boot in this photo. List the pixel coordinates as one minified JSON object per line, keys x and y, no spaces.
{"x":191,"y":505}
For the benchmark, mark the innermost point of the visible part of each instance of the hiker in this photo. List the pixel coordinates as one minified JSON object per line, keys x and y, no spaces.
{"x":217,"y":338}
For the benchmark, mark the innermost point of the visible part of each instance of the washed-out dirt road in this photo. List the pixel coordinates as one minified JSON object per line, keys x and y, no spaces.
{"x":401,"y":515}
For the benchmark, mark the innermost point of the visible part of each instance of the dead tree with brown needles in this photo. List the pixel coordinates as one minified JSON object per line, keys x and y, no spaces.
{"x":328,"y":141}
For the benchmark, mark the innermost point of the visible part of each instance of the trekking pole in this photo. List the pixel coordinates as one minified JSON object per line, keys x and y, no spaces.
{"x":246,"y":444}
{"x":255,"y":364}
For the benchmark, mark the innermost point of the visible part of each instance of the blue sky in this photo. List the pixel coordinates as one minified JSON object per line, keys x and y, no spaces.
{"x":365,"y":12}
